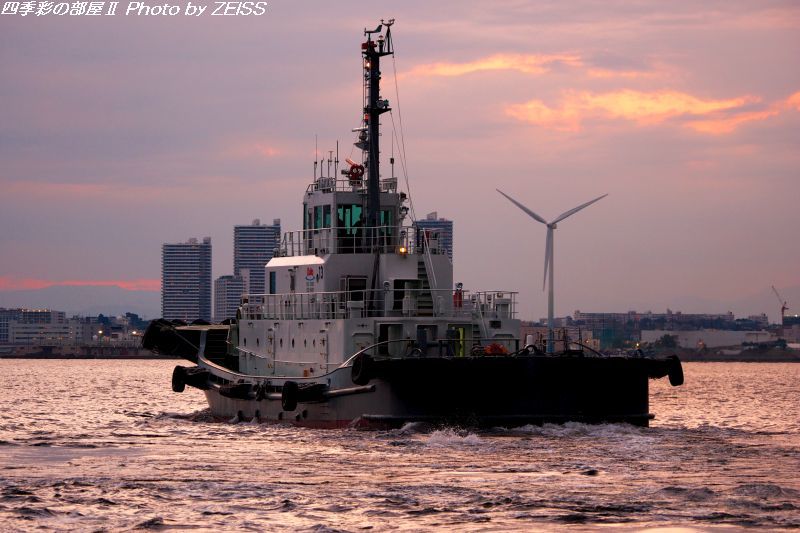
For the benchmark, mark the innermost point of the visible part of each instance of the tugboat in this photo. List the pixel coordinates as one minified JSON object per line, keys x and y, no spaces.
{"x":363,"y":326}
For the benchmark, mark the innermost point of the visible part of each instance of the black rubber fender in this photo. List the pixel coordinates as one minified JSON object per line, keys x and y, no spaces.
{"x":361,"y":372}
{"x":675,"y":372}
{"x":289,"y":396}
{"x":179,"y":379}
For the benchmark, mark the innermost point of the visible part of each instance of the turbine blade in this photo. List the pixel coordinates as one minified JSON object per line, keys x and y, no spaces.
{"x":576,"y":209}
{"x":548,"y":252}
{"x":516,"y":203}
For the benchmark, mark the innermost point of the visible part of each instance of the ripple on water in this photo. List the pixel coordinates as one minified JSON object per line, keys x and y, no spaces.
{"x":157,"y":460}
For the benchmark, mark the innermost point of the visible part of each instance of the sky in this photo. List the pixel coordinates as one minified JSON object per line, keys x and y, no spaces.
{"x":118,"y":134}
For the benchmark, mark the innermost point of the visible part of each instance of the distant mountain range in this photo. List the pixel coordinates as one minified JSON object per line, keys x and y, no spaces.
{"x":86,"y":300}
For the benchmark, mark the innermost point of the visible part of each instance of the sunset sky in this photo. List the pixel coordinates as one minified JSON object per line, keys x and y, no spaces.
{"x":120,"y":133}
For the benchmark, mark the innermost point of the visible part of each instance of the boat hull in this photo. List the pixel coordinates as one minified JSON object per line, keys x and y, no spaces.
{"x":471,"y":391}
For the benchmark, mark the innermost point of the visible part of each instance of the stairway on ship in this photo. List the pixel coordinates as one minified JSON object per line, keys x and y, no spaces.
{"x":425,"y":296}
{"x":217,"y":346}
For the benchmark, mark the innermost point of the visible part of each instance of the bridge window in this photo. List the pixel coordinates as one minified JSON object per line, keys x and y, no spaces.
{"x":349,"y":223}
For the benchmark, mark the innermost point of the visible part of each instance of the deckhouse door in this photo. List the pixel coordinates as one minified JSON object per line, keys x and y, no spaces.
{"x":271,"y":340}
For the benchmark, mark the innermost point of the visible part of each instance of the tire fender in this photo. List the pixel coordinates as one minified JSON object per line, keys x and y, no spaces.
{"x":289,"y":396}
{"x":179,"y":379}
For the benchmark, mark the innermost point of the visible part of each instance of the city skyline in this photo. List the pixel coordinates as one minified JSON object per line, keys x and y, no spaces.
{"x":686,"y":114}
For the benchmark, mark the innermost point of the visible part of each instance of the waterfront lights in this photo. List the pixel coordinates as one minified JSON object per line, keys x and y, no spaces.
{"x":402,"y":250}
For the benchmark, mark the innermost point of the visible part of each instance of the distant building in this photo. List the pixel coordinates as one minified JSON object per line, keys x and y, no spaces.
{"x":7,"y":315}
{"x":440,"y":229}
{"x":186,"y":280}
{"x":45,"y":327}
{"x":253,"y":247}
{"x":709,"y":338}
{"x":791,"y":328}
{"x":791,"y":320}
{"x":762,"y":320}
{"x":228,"y":292}
{"x":38,"y":326}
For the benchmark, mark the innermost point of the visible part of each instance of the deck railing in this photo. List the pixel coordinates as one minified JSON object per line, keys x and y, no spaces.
{"x":332,"y":184}
{"x":484,"y":305}
{"x":382,"y":239}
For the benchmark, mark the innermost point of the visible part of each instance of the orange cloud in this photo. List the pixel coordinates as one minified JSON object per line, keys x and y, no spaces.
{"x":525,"y":63}
{"x":718,"y":123}
{"x":702,"y":115}
{"x":260,"y":149}
{"x":606,"y":73}
{"x":794,"y":101}
{"x":8,"y":283}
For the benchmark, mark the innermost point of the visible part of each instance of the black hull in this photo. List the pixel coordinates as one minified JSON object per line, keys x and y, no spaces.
{"x":472,"y":391}
{"x":489,"y":390}
{"x":511,"y":391}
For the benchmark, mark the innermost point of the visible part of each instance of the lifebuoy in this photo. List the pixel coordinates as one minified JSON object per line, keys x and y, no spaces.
{"x":355,"y":173}
{"x":362,"y":369}
{"x":179,"y":379}
{"x":289,"y":396}
{"x":495,"y":349}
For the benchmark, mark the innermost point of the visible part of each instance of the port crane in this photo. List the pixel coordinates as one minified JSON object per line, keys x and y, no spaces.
{"x":783,"y":303}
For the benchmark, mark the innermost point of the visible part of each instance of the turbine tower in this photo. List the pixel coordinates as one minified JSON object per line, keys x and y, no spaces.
{"x":548,"y":256}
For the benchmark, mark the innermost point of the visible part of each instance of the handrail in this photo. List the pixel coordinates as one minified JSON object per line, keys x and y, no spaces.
{"x":361,"y":303}
{"x":357,"y":239}
{"x":334,"y":184}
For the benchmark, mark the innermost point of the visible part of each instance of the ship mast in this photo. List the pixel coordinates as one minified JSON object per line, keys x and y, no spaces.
{"x":372,"y":52}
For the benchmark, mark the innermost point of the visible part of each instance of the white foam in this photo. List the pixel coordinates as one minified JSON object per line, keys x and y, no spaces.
{"x":579,"y":429}
{"x":451,"y":437}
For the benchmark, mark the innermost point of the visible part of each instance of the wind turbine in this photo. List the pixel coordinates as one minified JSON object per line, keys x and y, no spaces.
{"x":548,"y":256}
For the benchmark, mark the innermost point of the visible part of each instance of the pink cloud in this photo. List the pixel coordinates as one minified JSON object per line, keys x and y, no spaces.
{"x":9,"y":283}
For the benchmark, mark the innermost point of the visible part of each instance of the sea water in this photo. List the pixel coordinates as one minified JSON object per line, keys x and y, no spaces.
{"x":106,"y":445}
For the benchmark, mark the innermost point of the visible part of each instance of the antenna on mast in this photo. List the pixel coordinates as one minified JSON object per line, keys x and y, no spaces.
{"x":391,"y":158}
{"x":372,"y":50}
{"x":316,"y":156}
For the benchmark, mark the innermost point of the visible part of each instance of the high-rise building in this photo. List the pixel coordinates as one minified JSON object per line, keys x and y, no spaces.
{"x":440,"y":229}
{"x":186,"y":280}
{"x":228,"y":292}
{"x":253,"y":247}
